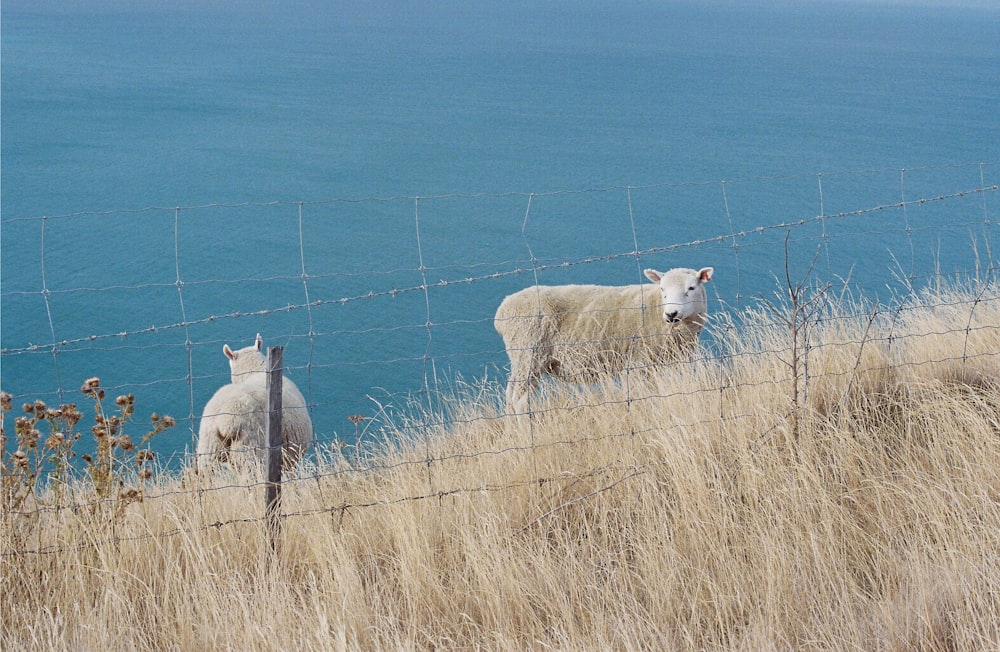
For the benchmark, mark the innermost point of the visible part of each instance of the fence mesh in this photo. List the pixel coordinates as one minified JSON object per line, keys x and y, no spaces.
{"x":385,"y":309}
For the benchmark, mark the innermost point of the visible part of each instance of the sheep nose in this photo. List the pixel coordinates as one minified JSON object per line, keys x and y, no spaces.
{"x":672,"y":316}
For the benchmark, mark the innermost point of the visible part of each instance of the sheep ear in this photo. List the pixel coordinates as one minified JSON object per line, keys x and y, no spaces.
{"x":259,"y":342}
{"x":653,"y":275}
{"x":705,"y":274}
{"x":228,"y":352}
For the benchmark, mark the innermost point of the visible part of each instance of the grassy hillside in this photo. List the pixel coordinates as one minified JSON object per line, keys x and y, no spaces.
{"x":827,"y":478}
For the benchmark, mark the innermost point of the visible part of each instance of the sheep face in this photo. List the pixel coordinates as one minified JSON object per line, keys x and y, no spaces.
{"x":246,"y":362}
{"x":683,"y":293}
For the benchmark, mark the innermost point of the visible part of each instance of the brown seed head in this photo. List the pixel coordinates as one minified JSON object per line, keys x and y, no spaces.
{"x":130,"y":495}
{"x":90,"y":386}
{"x":22,"y":425}
{"x":70,"y":412}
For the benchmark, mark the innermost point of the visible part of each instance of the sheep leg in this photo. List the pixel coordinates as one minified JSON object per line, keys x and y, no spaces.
{"x":519,"y":388}
{"x":213,"y":445}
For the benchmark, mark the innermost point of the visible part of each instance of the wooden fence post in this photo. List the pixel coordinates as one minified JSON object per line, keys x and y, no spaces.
{"x":272,"y":489}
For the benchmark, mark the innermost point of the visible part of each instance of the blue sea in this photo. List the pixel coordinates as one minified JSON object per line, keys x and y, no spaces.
{"x":362,"y":183}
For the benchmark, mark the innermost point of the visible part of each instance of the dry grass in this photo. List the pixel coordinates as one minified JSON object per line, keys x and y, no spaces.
{"x":681,"y":513}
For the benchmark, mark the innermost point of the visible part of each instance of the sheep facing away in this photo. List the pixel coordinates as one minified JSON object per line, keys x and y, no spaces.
{"x":578,"y":333}
{"x":235,"y":418}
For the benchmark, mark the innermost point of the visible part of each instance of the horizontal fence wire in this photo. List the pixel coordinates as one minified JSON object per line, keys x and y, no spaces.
{"x":385,"y":307}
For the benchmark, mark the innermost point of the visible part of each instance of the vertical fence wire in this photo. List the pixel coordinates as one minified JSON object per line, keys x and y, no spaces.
{"x":538,"y":293}
{"x":527,"y":243}
{"x":987,"y":229}
{"x":736,"y":247}
{"x":825,"y":237}
{"x":427,"y":360}
{"x":538,"y":297}
{"x":642,"y":295}
{"x":46,"y":294}
{"x":188,"y":344}
{"x":309,"y":314}
{"x":906,"y":227}
{"x":635,"y":237}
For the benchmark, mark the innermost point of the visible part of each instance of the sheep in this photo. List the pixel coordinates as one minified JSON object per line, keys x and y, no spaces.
{"x":579,"y":333}
{"x":236,"y":415}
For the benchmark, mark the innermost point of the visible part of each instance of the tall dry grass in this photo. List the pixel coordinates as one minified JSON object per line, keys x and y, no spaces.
{"x":712,"y":507}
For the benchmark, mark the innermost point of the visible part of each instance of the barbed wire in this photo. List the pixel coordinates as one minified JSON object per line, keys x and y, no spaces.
{"x":718,"y":333}
{"x":424,"y":286}
{"x":342,"y":508}
{"x":442,"y":422}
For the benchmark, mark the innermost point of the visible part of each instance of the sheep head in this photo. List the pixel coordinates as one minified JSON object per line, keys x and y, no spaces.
{"x":683,"y":294}
{"x":247,"y":361}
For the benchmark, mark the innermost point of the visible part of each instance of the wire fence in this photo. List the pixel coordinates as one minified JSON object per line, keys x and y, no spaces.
{"x":385,"y":306}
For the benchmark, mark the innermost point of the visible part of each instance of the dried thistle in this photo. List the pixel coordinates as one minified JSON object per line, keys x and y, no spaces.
{"x":20,"y":459}
{"x":91,"y":387}
{"x":70,"y":414}
{"x":113,"y":467}
{"x":22,"y":425}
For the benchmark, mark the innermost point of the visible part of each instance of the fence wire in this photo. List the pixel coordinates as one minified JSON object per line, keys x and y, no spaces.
{"x":385,"y":305}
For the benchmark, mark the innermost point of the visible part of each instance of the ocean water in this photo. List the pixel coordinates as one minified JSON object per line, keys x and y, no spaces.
{"x":362,"y":183}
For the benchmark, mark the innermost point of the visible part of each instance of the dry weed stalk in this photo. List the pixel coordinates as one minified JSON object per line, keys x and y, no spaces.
{"x":798,"y":316}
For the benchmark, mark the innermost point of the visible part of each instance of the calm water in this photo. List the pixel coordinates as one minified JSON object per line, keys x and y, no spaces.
{"x":307,"y":114}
